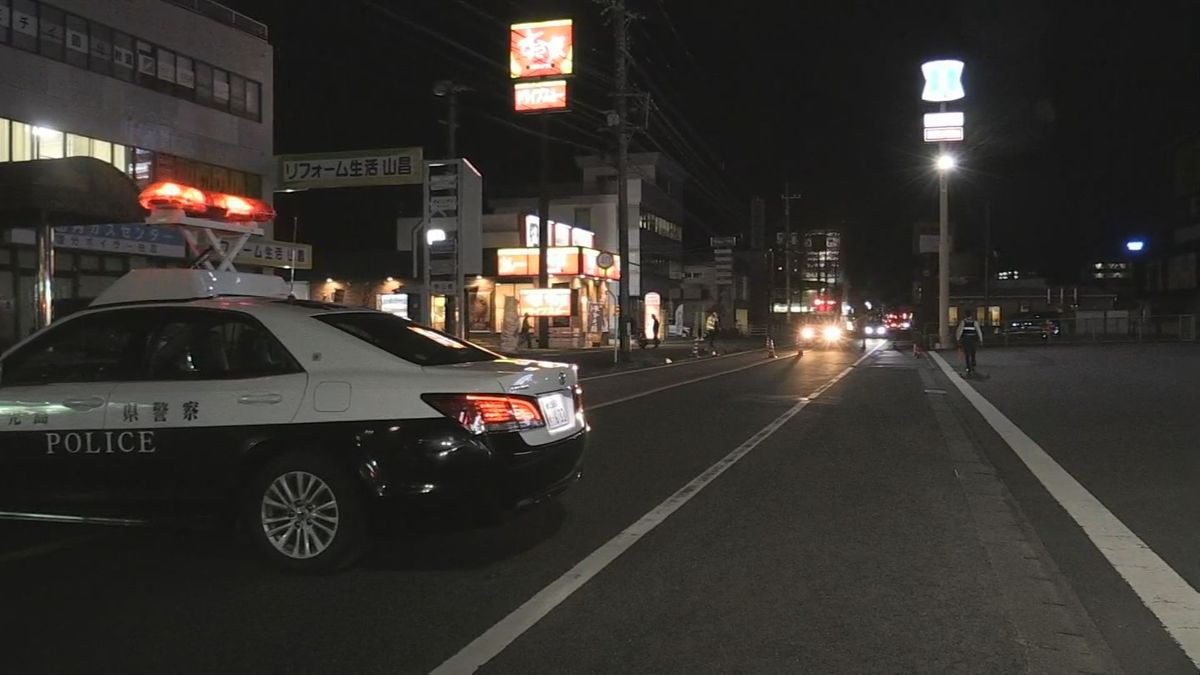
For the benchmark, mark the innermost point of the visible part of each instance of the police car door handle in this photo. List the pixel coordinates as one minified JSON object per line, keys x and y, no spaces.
{"x":90,"y":403}
{"x":260,"y":399}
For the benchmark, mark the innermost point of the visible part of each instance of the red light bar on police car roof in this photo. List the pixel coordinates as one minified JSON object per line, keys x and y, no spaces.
{"x":194,"y":201}
{"x":168,"y":195}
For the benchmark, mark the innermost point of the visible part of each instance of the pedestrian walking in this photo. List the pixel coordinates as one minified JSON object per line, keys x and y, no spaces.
{"x":712,"y":324}
{"x":527,"y":332}
{"x":969,"y":338}
{"x":654,"y":325}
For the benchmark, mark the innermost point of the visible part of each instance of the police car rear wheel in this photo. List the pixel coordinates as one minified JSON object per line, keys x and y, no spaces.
{"x":305,"y":514}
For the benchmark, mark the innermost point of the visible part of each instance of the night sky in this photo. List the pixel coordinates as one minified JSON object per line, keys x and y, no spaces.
{"x":1073,"y":112}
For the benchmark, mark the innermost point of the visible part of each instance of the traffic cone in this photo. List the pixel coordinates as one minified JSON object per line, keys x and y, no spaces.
{"x":770,"y":349}
{"x":696,"y":348}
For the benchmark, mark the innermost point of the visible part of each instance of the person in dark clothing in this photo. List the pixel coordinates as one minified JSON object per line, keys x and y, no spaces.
{"x":654,"y":326}
{"x":527,"y":332}
{"x":970,"y":336}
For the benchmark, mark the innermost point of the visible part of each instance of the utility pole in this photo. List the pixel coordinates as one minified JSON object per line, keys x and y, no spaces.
{"x":543,"y":322}
{"x":987,"y":262}
{"x":622,"y":77}
{"x":450,"y":91}
{"x":787,"y":248}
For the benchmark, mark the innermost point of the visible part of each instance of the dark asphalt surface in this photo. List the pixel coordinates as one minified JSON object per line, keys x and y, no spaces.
{"x":842,"y":544}
{"x":1122,"y":420}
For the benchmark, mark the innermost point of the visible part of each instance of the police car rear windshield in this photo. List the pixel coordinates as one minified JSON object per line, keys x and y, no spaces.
{"x":407,"y":340}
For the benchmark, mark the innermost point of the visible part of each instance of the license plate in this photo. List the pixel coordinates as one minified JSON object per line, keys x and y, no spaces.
{"x":558,"y":410}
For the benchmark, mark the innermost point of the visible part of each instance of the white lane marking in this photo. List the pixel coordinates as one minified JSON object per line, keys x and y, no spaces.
{"x":693,"y":380}
{"x":685,"y":362}
{"x":485,"y":647}
{"x":1161,"y":589}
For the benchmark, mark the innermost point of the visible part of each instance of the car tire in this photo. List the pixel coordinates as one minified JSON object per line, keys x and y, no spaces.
{"x":305,"y":513}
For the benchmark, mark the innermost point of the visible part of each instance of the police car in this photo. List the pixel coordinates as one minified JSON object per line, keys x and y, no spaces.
{"x":190,"y":391}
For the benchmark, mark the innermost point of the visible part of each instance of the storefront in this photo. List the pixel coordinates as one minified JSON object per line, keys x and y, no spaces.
{"x":580,"y":305}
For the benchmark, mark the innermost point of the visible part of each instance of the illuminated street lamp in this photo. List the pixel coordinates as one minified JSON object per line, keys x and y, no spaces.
{"x":943,"y":83}
{"x":1135,"y":245}
{"x":946,"y":162}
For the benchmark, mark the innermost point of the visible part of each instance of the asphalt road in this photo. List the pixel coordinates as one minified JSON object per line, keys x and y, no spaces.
{"x":849,"y":528}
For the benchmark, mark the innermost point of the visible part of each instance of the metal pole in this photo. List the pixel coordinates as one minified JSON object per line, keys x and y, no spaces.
{"x":295,"y":240}
{"x":787,"y":252}
{"x":622,"y":77}
{"x":452,"y":123}
{"x":45,"y":272}
{"x":544,"y":229}
{"x":987,"y":261}
{"x":943,"y":253}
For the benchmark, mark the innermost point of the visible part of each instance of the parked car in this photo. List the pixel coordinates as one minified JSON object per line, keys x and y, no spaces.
{"x":1033,"y":324}
{"x":676,"y":330}
{"x":209,"y":392}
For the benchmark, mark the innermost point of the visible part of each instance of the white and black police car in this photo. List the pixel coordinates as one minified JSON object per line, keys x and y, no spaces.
{"x":189,"y":391}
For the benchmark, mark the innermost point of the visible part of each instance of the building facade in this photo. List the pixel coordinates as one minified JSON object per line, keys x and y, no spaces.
{"x":161,"y":89}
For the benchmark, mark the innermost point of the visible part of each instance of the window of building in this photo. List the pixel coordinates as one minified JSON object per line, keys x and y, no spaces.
{"x":100,"y":44}
{"x":49,"y":143}
{"x":78,"y":146}
{"x":4,"y":144}
{"x":123,"y":56}
{"x":166,"y":67}
{"x":22,"y":142}
{"x":50,"y":22}
{"x":221,"y":88}
{"x":185,"y":74}
{"x":120,"y":159}
{"x":253,"y":100}
{"x":77,"y":41}
{"x":204,"y":83}
{"x":237,"y":94}
{"x":147,"y":65}
{"x":25,"y":24}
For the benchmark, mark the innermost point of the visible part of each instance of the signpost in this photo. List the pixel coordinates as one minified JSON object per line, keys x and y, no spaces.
{"x":943,"y":83}
{"x":352,"y":168}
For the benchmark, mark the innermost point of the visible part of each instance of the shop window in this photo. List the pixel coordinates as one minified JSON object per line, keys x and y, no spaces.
{"x":25,"y":24}
{"x":123,"y":56}
{"x":5,"y":152}
{"x":50,"y":24}
{"x":22,"y":142}
{"x":100,"y":45}
{"x":49,"y":143}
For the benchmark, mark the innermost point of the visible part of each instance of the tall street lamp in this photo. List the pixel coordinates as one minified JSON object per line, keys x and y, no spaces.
{"x":943,"y":83}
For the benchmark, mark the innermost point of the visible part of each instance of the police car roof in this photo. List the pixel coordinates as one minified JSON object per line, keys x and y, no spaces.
{"x":166,"y":285}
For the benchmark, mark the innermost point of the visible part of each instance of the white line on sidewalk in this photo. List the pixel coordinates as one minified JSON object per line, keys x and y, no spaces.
{"x":1161,"y":589}
{"x":485,"y":647}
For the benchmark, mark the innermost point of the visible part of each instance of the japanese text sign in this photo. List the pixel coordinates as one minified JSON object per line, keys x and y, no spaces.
{"x":540,"y":96}
{"x":356,"y":168}
{"x":541,"y":49}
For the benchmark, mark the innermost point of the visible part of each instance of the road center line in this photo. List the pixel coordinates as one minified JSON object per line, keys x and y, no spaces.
{"x":1160,"y":588}
{"x":485,"y":647}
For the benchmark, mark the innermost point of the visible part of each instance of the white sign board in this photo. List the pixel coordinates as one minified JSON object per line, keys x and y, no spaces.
{"x":943,"y":134}
{"x":355,"y":168}
{"x":943,"y":81}
{"x":944,"y":119}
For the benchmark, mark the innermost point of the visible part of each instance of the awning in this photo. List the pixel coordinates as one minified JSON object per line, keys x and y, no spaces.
{"x":72,"y":191}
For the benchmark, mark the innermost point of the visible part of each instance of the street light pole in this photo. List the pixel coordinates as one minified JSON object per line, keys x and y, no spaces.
{"x":621,"y":37}
{"x":787,"y":248}
{"x":943,"y":250}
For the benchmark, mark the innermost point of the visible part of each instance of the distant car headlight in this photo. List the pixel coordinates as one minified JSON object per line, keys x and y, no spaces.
{"x":869,"y":330}
{"x":881,"y":331}
{"x":831,"y":334}
{"x":807,"y":333}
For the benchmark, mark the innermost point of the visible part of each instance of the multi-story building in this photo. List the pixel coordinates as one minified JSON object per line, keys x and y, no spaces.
{"x":161,"y":89}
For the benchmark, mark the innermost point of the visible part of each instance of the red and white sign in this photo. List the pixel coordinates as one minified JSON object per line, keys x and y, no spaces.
{"x":539,"y":96}
{"x":545,"y":301}
{"x":541,"y":49}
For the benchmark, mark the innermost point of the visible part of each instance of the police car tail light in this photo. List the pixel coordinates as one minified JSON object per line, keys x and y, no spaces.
{"x":166,"y":194}
{"x":483,"y":413}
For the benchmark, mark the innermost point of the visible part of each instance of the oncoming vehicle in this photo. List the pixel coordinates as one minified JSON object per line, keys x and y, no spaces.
{"x":820,"y":334}
{"x":197,"y":392}
{"x":1031,"y":324}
